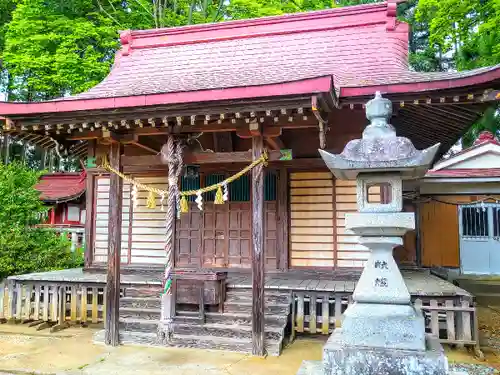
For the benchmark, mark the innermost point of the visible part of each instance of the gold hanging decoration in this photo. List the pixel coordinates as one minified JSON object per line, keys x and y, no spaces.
{"x":184,"y":204}
{"x":151,"y":202}
{"x":219,"y":196}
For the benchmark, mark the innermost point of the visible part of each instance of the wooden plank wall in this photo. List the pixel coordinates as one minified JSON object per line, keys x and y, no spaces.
{"x":349,"y":252}
{"x":439,"y":237}
{"x":318,"y":238}
{"x":148,"y":225}
{"x":143,"y":229}
{"x":311,"y":219}
{"x":101,"y":221}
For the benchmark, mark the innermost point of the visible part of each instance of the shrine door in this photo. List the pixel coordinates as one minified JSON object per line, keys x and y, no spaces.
{"x":220,"y":236}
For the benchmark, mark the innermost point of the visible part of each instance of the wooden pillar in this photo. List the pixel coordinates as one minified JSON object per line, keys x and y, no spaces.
{"x":6,"y":149}
{"x":282,"y":203}
{"x":172,"y":154}
{"x":89,"y":209}
{"x":53,"y":215}
{"x":51,"y":160}
{"x":114,"y":248}
{"x":43,"y":158}
{"x":257,"y":250}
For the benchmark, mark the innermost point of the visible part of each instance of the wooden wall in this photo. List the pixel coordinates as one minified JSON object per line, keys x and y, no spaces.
{"x":100,"y":253}
{"x":318,"y":238}
{"x":312,"y":216}
{"x":143,"y":229}
{"x":439,"y":230}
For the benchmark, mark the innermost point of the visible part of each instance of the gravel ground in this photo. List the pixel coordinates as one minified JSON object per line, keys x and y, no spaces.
{"x":472,"y":369}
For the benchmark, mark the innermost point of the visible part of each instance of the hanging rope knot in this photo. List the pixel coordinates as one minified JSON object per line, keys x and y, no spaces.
{"x":172,"y":181}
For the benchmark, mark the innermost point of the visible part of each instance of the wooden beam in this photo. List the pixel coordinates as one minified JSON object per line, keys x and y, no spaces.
{"x":275,"y":143}
{"x":111,"y":327}
{"x":226,"y":126}
{"x":200,"y":158}
{"x":89,"y":209}
{"x":258,"y":256}
{"x":168,"y":111}
{"x":144,"y":147}
{"x":267,"y":131}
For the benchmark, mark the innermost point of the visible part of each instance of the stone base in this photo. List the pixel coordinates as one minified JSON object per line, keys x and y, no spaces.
{"x":341,"y":359}
{"x":383,"y":326}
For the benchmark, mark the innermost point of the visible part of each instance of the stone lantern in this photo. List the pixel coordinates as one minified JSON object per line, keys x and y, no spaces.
{"x":382,"y":332}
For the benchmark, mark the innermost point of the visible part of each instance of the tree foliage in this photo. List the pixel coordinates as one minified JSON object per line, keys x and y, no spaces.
{"x":24,"y":247}
{"x":52,"y":48}
{"x":466,"y":34}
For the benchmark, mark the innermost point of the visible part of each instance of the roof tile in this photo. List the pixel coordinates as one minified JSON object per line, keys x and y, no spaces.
{"x":56,"y":187}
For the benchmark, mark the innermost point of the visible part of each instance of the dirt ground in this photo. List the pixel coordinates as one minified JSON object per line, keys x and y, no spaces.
{"x":72,"y":352}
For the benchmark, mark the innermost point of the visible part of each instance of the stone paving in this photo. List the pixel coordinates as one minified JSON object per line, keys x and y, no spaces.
{"x":71,"y":352}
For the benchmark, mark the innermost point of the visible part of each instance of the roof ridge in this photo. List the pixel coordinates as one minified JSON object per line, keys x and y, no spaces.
{"x":288,"y":17}
{"x":263,"y":26}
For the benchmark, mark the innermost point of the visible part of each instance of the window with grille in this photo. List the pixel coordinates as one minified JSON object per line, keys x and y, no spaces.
{"x":239,"y":190}
{"x":475,"y":222}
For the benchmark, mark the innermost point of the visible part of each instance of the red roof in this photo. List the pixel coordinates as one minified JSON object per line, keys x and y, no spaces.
{"x":360,"y":48}
{"x":465,"y":173}
{"x":61,"y":187}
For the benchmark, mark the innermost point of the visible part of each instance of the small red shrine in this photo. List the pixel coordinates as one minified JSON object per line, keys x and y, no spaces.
{"x":65,"y":193}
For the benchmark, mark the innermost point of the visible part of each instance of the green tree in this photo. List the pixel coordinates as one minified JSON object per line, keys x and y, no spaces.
{"x":24,"y":247}
{"x":467,"y":32}
{"x":52,"y":51}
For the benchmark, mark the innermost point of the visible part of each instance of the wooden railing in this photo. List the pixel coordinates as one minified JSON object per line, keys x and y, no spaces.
{"x":56,"y":305}
{"x":453,"y":321}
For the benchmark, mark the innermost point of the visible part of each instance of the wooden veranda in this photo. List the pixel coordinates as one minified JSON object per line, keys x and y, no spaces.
{"x":317,"y":300}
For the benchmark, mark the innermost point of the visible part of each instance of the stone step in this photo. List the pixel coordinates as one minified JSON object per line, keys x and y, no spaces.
{"x":240,"y":345}
{"x":140,"y":313}
{"x":138,"y":325}
{"x":243,"y":295}
{"x":140,"y":302}
{"x":130,"y":338}
{"x":225,"y":330}
{"x":231,"y":318}
{"x":152,"y":291}
{"x":480,"y":287}
{"x":246,"y":307}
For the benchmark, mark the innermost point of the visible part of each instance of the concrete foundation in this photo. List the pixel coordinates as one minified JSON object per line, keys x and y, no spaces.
{"x":342,"y":359}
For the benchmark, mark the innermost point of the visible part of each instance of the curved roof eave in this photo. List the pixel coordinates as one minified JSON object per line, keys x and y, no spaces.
{"x":323,"y":84}
{"x":428,"y":82}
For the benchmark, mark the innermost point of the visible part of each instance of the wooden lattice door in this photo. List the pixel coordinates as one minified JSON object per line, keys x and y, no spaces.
{"x":220,"y":236}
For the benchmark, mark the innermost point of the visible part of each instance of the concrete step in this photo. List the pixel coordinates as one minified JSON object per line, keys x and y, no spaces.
{"x":140,"y":313}
{"x":230,"y":318}
{"x":140,"y":302}
{"x":138,"y":325}
{"x":240,"y":345}
{"x":225,"y":330}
